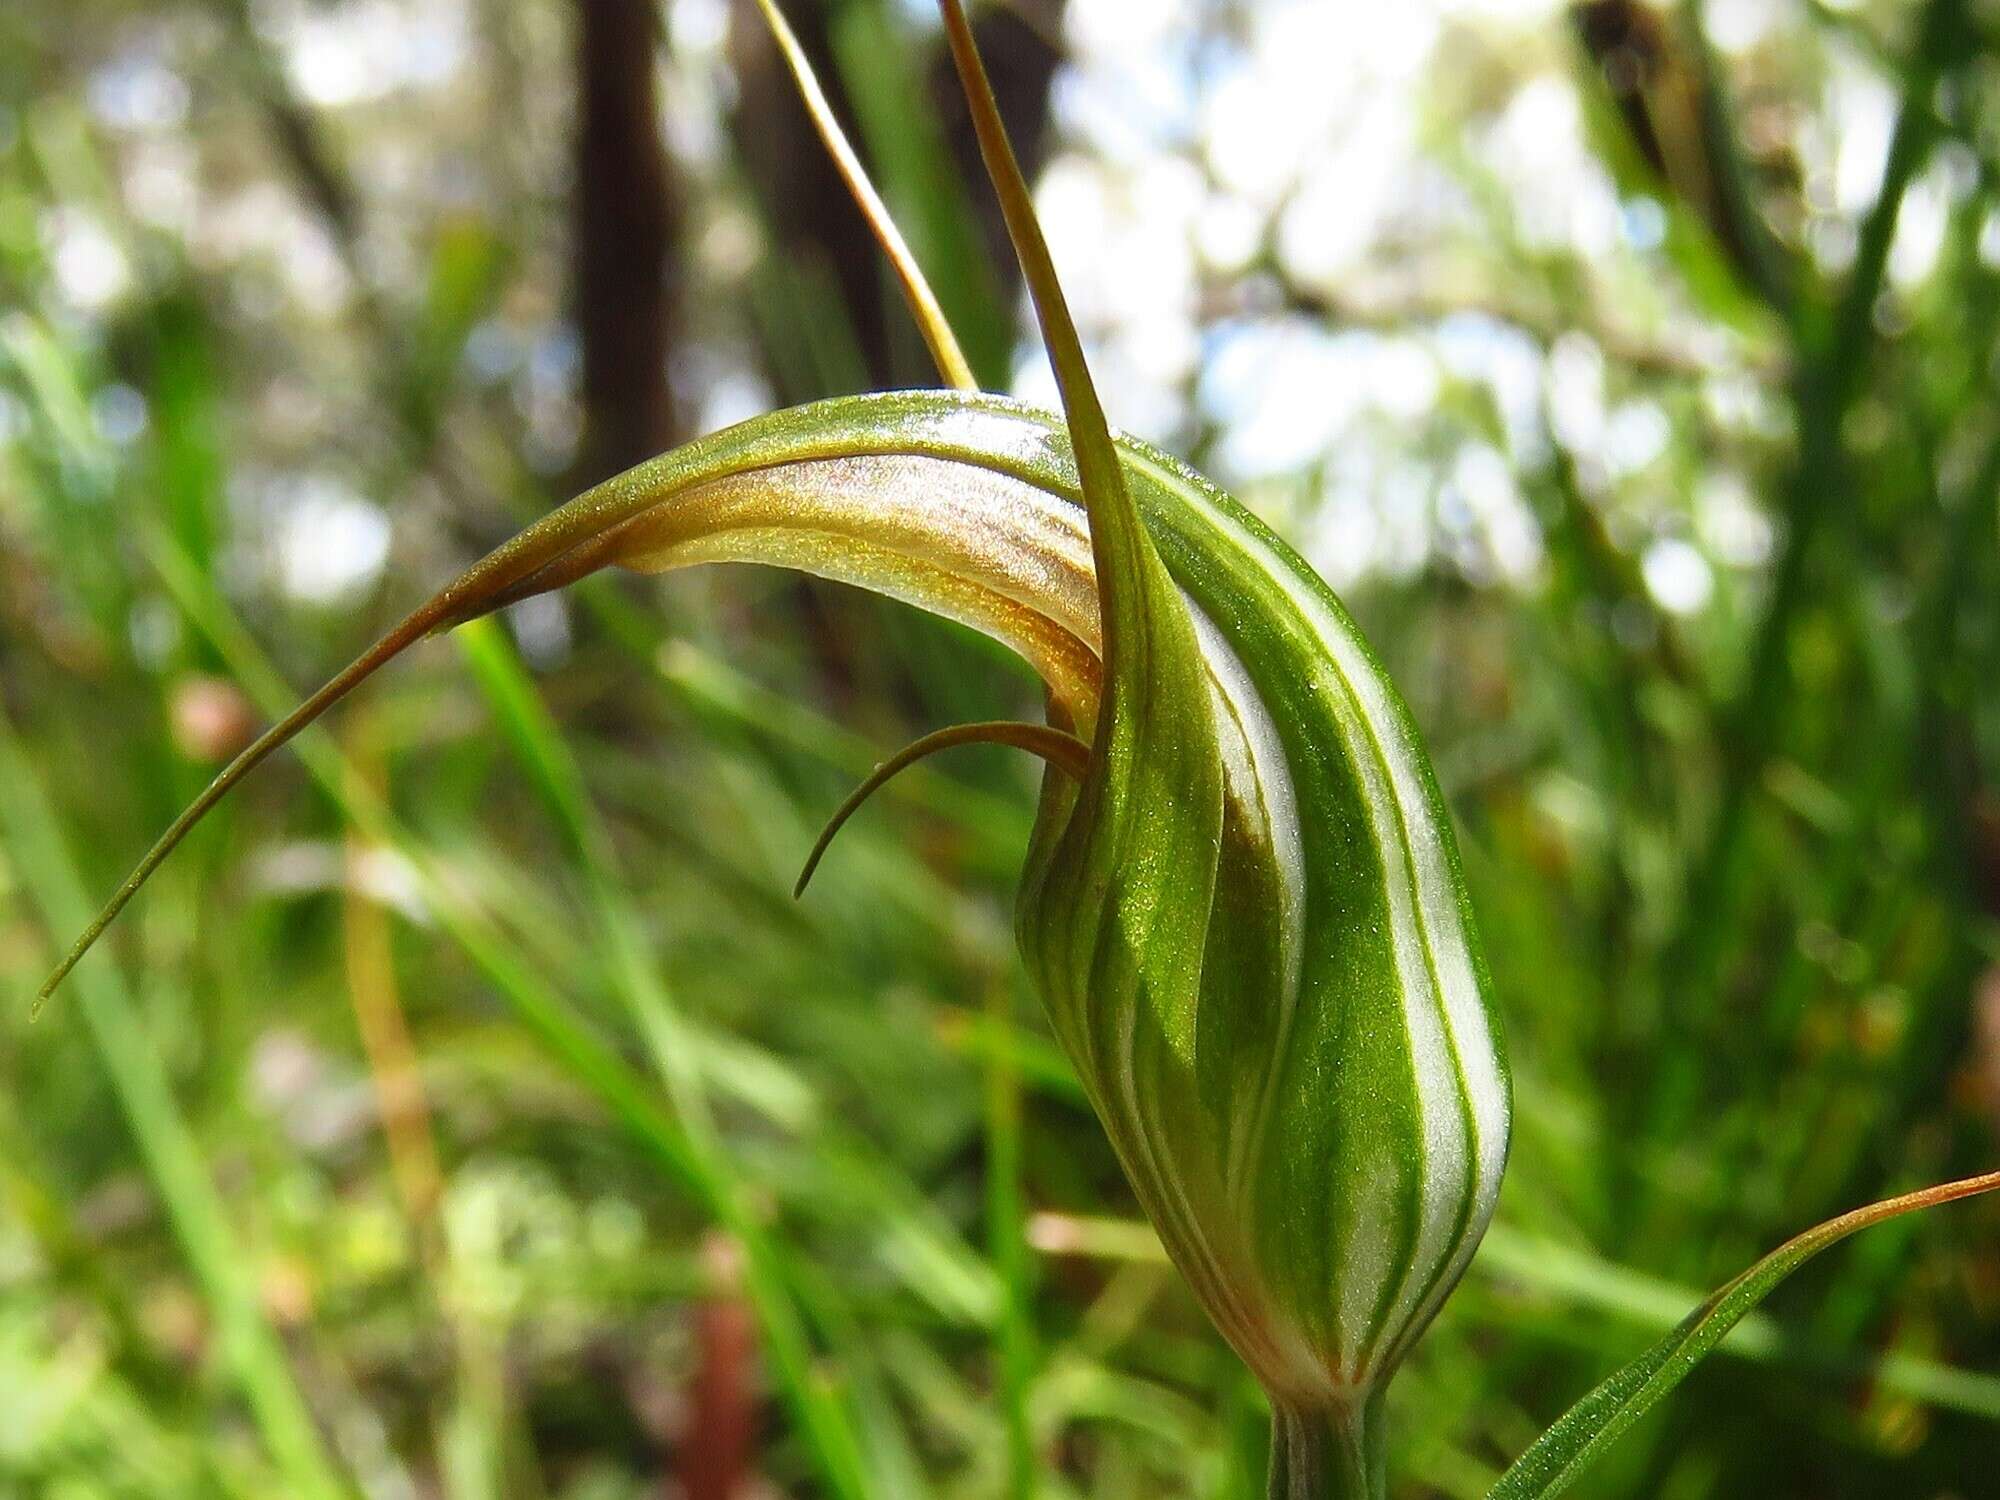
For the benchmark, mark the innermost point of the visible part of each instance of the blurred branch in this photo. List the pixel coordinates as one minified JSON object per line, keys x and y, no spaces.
{"x":322,"y":178}
{"x":1673,"y":102}
{"x":1739,"y":221}
{"x":1418,"y":304}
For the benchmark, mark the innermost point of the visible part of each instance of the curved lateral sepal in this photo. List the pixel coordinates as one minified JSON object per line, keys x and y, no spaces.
{"x":1060,"y":749}
{"x":596,"y":530}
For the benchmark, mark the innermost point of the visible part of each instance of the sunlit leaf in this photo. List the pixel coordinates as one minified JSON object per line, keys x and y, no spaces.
{"x":1601,"y":1417}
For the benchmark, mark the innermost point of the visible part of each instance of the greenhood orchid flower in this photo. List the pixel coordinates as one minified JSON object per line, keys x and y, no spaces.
{"x":1246,"y":917}
{"x":1242,"y":903}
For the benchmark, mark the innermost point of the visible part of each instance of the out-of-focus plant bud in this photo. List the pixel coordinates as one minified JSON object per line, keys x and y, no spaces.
{"x":209,"y":718}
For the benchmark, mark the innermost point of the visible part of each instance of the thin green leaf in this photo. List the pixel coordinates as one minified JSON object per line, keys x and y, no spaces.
{"x":1598,"y":1420}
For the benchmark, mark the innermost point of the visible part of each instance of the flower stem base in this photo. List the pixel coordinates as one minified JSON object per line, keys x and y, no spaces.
{"x":1333,"y":1453}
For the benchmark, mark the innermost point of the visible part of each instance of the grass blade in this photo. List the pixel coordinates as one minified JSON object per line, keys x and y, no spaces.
{"x":173,"y":1158}
{"x":624,"y":1093}
{"x":1566,"y":1278}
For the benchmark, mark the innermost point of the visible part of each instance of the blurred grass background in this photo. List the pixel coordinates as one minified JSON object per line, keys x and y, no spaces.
{"x":467,"y":1111}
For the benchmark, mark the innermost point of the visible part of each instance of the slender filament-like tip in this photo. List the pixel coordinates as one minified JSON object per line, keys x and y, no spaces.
{"x":412,"y":629}
{"x":1059,"y":748}
{"x":923,"y":302}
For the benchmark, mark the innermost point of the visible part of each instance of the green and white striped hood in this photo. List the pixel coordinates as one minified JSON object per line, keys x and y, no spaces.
{"x":1248,"y":922}
{"x":1263,"y":966}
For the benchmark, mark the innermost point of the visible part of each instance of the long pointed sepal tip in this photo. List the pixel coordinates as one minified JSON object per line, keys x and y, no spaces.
{"x":411,"y":629}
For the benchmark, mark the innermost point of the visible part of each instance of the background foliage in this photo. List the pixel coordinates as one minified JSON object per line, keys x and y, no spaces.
{"x":468,"y":1110}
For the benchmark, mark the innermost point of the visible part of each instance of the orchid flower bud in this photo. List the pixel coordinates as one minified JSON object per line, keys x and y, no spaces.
{"x":1250,"y":929}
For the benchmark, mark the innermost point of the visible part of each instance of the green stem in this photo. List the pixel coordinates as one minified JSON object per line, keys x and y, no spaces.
{"x":1331,"y":1453}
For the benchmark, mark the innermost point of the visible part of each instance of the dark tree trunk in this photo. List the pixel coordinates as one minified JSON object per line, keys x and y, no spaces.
{"x":626,"y":217}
